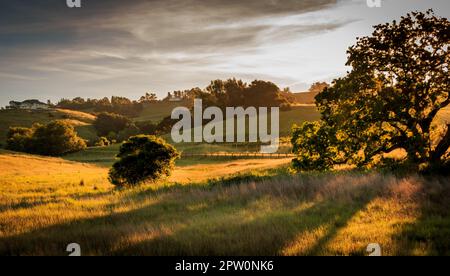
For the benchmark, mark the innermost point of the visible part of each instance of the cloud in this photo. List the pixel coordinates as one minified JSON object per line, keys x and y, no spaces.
{"x":130,"y":47}
{"x":111,"y":36}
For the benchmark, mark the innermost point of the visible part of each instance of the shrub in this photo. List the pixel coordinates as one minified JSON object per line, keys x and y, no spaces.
{"x":143,"y":158}
{"x":112,"y":137}
{"x":102,"y":142}
{"x":18,"y":138}
{"x":54,"y":139}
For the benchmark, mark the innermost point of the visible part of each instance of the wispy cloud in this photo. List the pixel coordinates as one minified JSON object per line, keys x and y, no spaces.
{"x":129,"y":47}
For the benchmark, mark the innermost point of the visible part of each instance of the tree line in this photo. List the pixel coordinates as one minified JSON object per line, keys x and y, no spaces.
{"x":235,"y":93}
{"x":220,"y":93}
{"x":118,"y":105}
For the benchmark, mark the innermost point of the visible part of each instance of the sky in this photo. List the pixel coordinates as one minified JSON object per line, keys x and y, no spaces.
{"x":127,"y":48}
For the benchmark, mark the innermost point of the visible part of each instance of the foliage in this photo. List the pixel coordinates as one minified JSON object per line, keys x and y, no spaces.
{"x":143,"y":158}
{"x":148,"y":98}
{"x":102,"y":142}
{"x":54,"y":139}
{"x":318,"y":87}
{"x":19,"y":138}
{"x":389,"y":100}
{"x":110,"y":122}
{"x":234,"y":92}
{"x":313,"y":147}
{"x":146,"y":127}
{"x":119,"y":105}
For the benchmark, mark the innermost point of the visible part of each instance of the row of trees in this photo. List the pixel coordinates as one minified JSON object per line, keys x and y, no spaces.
{"x":118,"y":128}
{"x":233,"y":92}
{"x":118,"y":105}
{"x":54,"y":139}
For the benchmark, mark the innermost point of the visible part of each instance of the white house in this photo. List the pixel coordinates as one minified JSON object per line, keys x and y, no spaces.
{"x":28,"y":104}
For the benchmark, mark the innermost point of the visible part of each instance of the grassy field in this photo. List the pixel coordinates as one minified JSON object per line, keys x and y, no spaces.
{"x":155,"y":112}
{"x":47,"y":203}
{"x":26,"y":118}
{"x":106,"y":155}
{"x":213,"y":206}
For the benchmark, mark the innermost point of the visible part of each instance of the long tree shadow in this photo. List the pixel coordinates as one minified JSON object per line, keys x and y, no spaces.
{"x":197,"y":226}
{"x":265,"y":236}
{"x":268,"y":234}
{"x":430,"y":233}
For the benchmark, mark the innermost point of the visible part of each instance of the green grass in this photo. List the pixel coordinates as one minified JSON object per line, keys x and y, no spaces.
{"x":44,"y":206}
{"x":106,"y":156}
{"x":102,"y":156}
{"x":297,"y":115}
{"x":155,"y":112}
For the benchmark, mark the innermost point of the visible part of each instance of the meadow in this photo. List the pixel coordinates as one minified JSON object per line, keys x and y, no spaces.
{"x":216,"y":206}
{"x":237,"y":209}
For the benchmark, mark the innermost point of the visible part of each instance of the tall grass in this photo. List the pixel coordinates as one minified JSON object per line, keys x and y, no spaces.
{"x":258,"y":213}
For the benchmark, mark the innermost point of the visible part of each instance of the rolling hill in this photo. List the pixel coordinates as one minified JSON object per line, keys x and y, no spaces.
{"x":26,"y":118}
{"x":157,"y":111}
{"x":106,"y":155}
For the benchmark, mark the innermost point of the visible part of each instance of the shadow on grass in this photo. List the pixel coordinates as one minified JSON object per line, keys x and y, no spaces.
{"x":430,"y":233}
{"x":268,"y":235}
{"x":198,"y":225}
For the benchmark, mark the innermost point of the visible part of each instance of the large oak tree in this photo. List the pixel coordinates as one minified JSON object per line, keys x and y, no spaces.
{"x":389,"y":100}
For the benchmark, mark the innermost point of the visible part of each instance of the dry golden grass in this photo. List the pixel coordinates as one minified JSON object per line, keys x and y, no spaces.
{"x":47,"y":203}
{"x":78,"y":115}
{"x":200,"y":173}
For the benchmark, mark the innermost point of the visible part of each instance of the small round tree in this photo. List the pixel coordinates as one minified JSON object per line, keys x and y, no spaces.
{"x":143,"y":158}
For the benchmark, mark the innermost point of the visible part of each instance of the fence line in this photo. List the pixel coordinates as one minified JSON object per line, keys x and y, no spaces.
{"x":240,"y":155}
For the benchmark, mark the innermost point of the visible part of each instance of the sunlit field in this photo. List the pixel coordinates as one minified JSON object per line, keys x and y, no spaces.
{"x":245,"y":209}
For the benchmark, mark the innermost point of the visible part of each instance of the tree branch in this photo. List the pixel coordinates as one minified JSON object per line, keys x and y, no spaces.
{"x":442,"y":147}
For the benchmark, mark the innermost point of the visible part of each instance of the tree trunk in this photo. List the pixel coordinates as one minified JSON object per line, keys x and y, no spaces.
{"x":442,"y":147}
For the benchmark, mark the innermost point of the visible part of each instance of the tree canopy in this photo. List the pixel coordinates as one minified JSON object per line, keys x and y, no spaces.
{"x":233,"y":92}
{"x":54,"y":139}
{"x":143,"y":158}
{"x":110,"y":122}
{"x":389,"y":100}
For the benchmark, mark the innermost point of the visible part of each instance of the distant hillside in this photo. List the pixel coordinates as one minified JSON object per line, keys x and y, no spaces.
{"x":26,"y":118}
{"x":305,"y":97}
{"x":157,"y":111}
